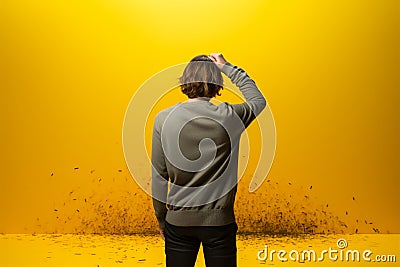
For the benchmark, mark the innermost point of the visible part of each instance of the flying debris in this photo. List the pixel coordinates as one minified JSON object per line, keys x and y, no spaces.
{"x":280,"y":212}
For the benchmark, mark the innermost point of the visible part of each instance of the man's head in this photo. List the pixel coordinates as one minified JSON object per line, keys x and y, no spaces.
{"x":201,"y":78}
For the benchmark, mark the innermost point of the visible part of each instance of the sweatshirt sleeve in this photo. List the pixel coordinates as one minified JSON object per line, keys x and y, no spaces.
{"x":255,"y":101}
{"x":159,"y":176}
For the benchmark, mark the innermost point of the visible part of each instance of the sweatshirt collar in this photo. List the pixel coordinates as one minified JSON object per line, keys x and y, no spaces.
{"x":197,"y":99}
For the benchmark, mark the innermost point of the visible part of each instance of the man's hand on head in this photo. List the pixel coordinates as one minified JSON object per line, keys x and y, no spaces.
{"x":218,"y":59}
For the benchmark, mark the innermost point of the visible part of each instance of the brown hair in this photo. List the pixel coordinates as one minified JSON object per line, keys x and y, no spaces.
{"x":201,"y":78}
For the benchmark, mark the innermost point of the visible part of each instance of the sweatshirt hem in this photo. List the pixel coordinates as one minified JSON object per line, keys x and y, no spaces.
{"x":210,"y":217}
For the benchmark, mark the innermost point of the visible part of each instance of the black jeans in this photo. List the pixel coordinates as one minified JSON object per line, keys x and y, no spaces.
{"x":219,"y":245}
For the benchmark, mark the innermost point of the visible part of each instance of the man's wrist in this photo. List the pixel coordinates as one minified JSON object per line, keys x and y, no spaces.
{"x":227,"y":68}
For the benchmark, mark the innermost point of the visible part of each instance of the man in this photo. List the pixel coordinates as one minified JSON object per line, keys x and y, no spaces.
{"x":194,"y":157}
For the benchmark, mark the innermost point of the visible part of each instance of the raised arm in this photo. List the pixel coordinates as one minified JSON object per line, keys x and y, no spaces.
{"x":255,"y":101}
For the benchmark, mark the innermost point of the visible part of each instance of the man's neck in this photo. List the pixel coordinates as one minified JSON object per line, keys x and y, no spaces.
{"x":199,"y":99}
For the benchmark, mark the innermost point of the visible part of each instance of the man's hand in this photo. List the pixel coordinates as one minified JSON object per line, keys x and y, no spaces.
{"x":218,"y":59}
{"x":162,"y":231}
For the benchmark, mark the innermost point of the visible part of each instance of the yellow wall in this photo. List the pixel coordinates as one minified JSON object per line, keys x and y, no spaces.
{"x":68,"y":70}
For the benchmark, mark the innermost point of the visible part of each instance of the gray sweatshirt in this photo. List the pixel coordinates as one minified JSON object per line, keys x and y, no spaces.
{"x":195,"y":156}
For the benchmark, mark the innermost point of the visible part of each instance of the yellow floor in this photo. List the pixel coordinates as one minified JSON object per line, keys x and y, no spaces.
{"x":97,"y":250}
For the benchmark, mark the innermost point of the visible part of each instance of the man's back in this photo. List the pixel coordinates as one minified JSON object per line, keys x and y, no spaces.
{"x":195,"y":147}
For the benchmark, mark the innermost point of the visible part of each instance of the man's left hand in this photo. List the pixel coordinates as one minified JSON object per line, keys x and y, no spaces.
{"x":162,"y":231}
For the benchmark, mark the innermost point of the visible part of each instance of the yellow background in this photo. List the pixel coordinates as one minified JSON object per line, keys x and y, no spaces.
{"x":68,"y":69}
